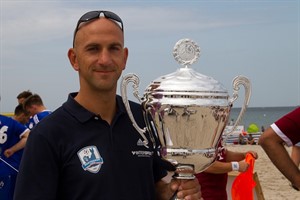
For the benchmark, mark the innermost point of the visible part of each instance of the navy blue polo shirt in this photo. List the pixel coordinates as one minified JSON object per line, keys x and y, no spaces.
{"x":75,"y":155}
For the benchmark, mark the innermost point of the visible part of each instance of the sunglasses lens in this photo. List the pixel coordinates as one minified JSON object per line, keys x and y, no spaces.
{"x":112,"y":15}
{"x":95,"y":14}
{"x":89,"y":16}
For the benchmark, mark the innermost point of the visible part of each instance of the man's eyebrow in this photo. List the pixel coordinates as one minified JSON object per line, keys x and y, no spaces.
{"x":116,"y":44}
{"x":91,"y":45}
{"x":95,"y":44}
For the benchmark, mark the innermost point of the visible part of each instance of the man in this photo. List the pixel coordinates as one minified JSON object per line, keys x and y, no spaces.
{"x":21,"y":115}
{"x":250,"y":139}
{"x":13,"y":136}
{"x":35,"y":107}
{"x":284,"y":131}
{"x":88,"y":148}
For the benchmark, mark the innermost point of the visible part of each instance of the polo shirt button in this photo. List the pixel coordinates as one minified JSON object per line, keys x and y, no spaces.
{"x":96,"y":118}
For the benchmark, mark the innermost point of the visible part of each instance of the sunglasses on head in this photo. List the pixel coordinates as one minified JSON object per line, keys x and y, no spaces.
{"x":95,"y":15}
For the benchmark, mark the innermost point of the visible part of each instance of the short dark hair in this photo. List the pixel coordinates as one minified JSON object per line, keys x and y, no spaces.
{"x":20,"y":110}
{"x":24,"y":94}
{"x":34,"y":99}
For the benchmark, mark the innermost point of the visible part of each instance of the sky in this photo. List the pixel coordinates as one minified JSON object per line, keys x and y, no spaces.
{"x":256,"y":39}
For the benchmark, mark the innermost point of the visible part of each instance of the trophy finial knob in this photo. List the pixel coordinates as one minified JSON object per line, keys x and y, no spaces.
{"x":186,"y":52}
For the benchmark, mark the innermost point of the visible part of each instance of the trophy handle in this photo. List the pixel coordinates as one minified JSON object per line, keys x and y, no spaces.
{"x":237,"y":81}
{"x":134,"y":79}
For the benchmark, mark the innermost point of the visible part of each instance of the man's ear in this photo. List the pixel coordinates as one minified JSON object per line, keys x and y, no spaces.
{"x":125,"y":57}
{"x":73,"y":59}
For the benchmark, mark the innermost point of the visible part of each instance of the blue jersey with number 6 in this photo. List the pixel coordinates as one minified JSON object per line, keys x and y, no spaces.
{"x":10,"y":134}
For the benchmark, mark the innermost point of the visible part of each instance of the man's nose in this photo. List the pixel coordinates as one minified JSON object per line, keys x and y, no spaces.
{"x":104,"y":57}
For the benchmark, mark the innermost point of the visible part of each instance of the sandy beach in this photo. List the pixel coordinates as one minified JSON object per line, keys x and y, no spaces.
{"x":274,"y":185}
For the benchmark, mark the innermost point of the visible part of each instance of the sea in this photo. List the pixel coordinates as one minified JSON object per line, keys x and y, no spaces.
{"x":261,"y":116}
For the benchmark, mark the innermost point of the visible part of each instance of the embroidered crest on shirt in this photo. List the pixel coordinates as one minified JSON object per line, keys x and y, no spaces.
{"x":90,"y":159}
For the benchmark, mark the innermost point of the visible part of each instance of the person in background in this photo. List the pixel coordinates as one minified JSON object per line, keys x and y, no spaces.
{"x":35,"y":107}
{"x":213,"y":180}
{"x":284,"y":131}
{"x":241,"y":139}
{"x":262,"y":129}
{"x":88,"y":148}
{"x":250,"y":139}
{"x":23,"y":95}
{"x":13,"y":136}
{"x":21,"y":115}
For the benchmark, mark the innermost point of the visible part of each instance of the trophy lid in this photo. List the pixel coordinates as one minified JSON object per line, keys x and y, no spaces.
{"x":185,"y":83}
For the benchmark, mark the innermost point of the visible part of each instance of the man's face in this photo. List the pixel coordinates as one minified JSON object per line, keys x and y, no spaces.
{"x":32,"y":110}
{"x":24,"y":118}
{"x":99,"y":55}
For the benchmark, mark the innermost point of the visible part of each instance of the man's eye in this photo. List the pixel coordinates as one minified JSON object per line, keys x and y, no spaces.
{"x":115,"y":48}
{"x":92,"y":49}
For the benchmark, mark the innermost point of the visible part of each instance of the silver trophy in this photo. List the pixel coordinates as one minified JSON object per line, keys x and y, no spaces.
{"x":186,"y":111}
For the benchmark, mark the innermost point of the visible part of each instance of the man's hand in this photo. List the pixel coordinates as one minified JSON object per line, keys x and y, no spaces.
{"x":186,"y":189}
{"x":254,"y":154}
{"x":243,"y":166}
{"x":8,"y":152}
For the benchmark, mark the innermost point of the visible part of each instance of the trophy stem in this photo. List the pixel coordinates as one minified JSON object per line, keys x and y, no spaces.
{"x":184,"y":171}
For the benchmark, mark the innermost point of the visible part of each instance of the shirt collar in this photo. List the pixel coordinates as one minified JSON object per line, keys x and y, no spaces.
{"x":82,"y":114}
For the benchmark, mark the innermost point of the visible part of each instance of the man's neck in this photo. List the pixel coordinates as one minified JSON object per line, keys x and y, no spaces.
{"x":100,"y":104}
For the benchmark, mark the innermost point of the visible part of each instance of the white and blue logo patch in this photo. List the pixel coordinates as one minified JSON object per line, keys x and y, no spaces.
{"x":90,"y":159}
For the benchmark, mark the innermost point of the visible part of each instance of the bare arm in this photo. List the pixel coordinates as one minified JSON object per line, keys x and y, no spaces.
{"x":224,"y":167}
{"x":20,"y":145}
{"x":295,"y":155}
{"x":238,"y":156}
{"x":234,"y":156}
{"x":274,"y":148}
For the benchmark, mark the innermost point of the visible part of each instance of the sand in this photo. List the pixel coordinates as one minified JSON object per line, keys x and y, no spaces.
{"x":274,"y":185}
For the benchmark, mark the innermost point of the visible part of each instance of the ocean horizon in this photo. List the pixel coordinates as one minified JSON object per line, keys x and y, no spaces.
{"x":261,"y":116}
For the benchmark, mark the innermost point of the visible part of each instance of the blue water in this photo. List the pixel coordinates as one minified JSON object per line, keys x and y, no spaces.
{"x":261,"y":116}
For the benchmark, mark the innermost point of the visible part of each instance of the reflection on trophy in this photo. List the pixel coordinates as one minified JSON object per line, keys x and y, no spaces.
{"x":186,"y":111}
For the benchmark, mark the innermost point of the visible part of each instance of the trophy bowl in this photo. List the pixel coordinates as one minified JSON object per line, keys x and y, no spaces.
{"x":186,"y":111}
